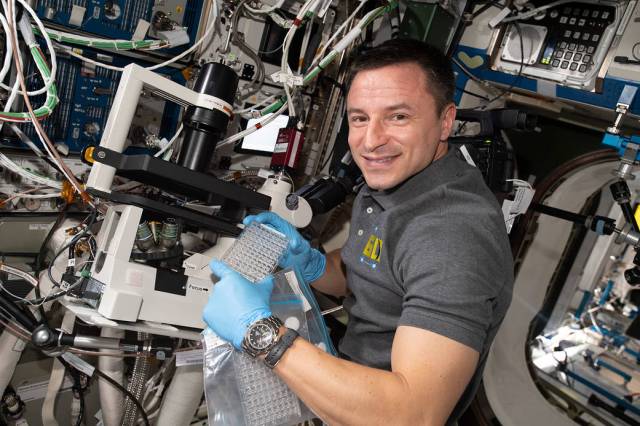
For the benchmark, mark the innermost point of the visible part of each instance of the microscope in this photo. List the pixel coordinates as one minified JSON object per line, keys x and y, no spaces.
{"x":138,"y":277}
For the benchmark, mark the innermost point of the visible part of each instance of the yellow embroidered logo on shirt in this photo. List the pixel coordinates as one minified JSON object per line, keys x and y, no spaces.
{"x":373,"y":248}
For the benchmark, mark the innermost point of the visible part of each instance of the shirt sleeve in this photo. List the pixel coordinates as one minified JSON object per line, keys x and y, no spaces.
{"x":452,"y":269}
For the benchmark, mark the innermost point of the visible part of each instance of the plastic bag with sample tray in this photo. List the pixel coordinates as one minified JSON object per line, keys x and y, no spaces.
{"x":240,"y":389}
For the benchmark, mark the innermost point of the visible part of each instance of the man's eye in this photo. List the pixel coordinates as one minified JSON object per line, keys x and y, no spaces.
{"x":399,"y":117}
{"x":358,"y":119}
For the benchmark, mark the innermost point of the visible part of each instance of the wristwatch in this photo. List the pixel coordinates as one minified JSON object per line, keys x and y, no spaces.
{"x":284,"y":342}
{"x":261,"y":336}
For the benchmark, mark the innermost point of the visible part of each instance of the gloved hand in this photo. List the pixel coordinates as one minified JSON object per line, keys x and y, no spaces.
{"x":309,"y":262}
{"x":235,"y":303}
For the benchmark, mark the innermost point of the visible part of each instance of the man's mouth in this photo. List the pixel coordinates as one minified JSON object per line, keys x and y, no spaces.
{"x":379,"y":161}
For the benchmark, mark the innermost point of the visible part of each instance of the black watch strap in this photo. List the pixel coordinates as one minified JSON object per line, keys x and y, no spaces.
{"x":275,"y":353}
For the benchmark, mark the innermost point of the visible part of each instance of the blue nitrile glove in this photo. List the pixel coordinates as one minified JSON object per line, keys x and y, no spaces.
{"x":308,"y":261}
{"x":235,"y":303}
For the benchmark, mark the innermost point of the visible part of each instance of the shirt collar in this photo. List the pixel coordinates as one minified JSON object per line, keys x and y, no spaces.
{"x":427,"y":178}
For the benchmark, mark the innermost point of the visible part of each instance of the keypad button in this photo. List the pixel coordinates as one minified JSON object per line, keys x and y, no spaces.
{"x":563,"y":45}
{"x":572,"y":46}
{"x":576,"y":35}
{"x":576,"y":12}
{"x":582,"y":68}
{"x":605,"y":15}
{"x":563,"y":19}
{"x":566,"y":10}
{"x":577,"y":56}
{"x":564,"y":65}
{"x":553,"y":14}
{"x":595,"y":13}
{"x":568,"y":55}
{"x":581,"y":22}
{"x":586,"y":59}
{"x":574,"y":66}
{"x":595,"y":38}
{"x":581,"y":47}
{"x":591,"y":49}
{"x":559,"y":53}
{"x":572,"y":21}
{"x":567,"y":33}
{"x":585,"y":13}
{"x":555,"y":63}
{"x":586,"y":36}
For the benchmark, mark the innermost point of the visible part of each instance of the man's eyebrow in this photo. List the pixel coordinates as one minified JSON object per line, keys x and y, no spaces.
{"x":401,"y":105}
{"x":394,"y":107}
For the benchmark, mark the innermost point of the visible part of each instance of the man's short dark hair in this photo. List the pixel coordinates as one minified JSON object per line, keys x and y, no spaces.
{"x":436,"y":66}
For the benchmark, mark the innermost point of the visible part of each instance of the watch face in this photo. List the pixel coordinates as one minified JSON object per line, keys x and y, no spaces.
{"x":261,"y":336}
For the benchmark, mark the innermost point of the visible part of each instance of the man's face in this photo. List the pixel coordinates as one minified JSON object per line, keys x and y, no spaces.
{"x":394,"y":126}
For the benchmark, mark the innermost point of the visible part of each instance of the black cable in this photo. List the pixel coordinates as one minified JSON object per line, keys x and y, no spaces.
{"x":81,"y":414}
{"x":25,"y":319}
{"x":92,"y":218}
{"x":42,"y":253}
{"x":77,"y":389}
{"x":127,"y":393}
{"x":472,"y":94}
{"x":517,"y":78}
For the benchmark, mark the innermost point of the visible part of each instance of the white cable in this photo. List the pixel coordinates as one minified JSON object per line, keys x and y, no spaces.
{"x":534,"y":12}
{"x":339,"y":31}
{"x":31,"y":41}
{"x":163,"y":64}
{"x":253,"y":107}
{"x":62,"y":167}
{"x":253,"y":128}
{"x":265,"y":10}
{"x":36,"y":196}
{"x":168,"y":145}
{"x":284,"y":65}
{"x":8,"y":54}
{"x":9,"y":164}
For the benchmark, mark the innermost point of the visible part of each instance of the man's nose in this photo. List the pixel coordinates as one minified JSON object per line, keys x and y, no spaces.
{"x":375,"y":136}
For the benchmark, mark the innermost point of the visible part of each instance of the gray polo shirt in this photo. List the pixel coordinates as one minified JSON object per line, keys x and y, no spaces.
{"x":431,"y":253}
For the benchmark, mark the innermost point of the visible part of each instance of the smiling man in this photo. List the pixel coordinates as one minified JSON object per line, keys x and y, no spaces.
{"x":426,"y":271}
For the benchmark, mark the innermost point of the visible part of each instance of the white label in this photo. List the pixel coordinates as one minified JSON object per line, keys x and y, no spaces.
{"x":295,"y":286}
{"x":98,"y":417}
{"x":522,"y":200}
{"x":38,"y":227}
{"x":19,"y":345}
{"x":264,"y":173}
{"x":77,"y":15}
{"x":141,"y":30}
{"x":288,"y":79}
{"x":79,"y":363}
{"x":467,"y":156}
{"x":499,"y":17}
{"x":38,"y":390}
{"x":190,"y":357}
{"x":71,"y":262}
{"x":280,"y":148}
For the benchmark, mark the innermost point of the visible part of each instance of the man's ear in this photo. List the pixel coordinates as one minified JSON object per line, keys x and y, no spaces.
{"x":448,"y":117}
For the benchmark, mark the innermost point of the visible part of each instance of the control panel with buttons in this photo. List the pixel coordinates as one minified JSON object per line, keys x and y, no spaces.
{"x":565,"y":43}
{"x":574,"y":34}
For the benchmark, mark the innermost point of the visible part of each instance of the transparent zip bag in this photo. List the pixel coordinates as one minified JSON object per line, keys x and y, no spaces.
{"x":241,"y":390}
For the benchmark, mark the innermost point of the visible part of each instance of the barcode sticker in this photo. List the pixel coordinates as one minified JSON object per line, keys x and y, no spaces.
{"x":190,"y":357}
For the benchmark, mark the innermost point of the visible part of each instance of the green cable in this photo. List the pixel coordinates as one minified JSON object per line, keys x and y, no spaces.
{"x":331,"y":56}
{"x":103,"y":44}
{"x":52,"y":94}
